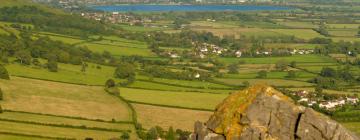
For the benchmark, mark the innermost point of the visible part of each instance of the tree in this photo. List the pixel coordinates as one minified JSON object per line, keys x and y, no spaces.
{"x":1,"y":95}
{"x":170,"y":134}
{"x":328,"y":72}
{"x":4,"y":73}
{"x":124,"y":71}
{"x":52,"y":66}
{"x":318,"y":89}
{"x":24,"y":57}
{"x":246,"y":83}
{"x":293,"y":64}
{"x":125,"y":136}
{"x":83,"y":67}
{"x":291,"y":74}
{"x":233,"y":68}
{"x":281,"y":65}
{"x":1,"y":110}
{"x":152,"y":134}
{"x":110,"y":83}
{"x":262,"y":74}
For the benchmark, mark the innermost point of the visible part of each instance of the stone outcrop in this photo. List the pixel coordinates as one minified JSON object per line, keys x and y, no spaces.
{"x":263,"y":113}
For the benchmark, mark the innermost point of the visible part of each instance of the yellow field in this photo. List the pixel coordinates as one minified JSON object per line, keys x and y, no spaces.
{"x":39,"y":96}
{"x":150,"y":116}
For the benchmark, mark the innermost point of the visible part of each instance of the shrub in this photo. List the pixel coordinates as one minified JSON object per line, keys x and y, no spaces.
{"x":125,"y":136}
{"x":52,"y":66}
{"x":4,"y":73}
{"x":1,"y":95}
{"x":1,"y":110}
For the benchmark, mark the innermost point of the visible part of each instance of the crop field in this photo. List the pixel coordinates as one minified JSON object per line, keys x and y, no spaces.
{"x":118,"y":51}
{"x":51,"y":131}
{"x":122,"y":44}
{"x":272,"y":82}
{"x":273,"y":60}
{"x":293,"y":46}
{"x":343,"y":26}
{"x":66,"y":73}
{"x":62,"y":99}
{"x":270,"y":75}
{"x":187,"y":83}
{"x":353,"y":126}
{"x":239,"y":32}
{"x":63,"y":38}
{"x":163,"y":87}
{"x":296,"y":24}
{"x":13,"y":137}
{"x":299,"y":33}
{"x":343,"y":33}
{"x":165,"y":117}
{"x":214,"y":24}
{"x":141,"y":28}
{"x":194,"y":100}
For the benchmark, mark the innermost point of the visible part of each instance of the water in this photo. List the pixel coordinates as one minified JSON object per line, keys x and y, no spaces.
{"x":157,"y":8}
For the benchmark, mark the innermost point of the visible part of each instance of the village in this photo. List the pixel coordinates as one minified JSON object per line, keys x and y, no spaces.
{"x":323,"y":100}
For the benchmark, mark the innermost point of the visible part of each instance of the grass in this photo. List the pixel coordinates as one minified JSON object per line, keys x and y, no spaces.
{"x":353,"y":126}
{"x":343,"y":33}
{"x":150,"y":116}
{"x":117,"y":43}
{"x":291,"y":45}
{"x":39,"y":96}
{"x":11,"y":3}
{"x":299,"y":33}
{"x":141,"y":28}
{"x":240,"y":32}
{"x":62,"y":38}
{"x":297,"y":24}
{"x":171,"y":98}
{"x":156,"y":86}
{"x":273,"y":60}
{"x":271,"y":75}
{"x":272,"y":82}
{"x":30,"y":129}
{"x":195,"y":83}
{"x":66,"y":73}
{"x":17,"y":116}
{"x":343,"y":26}
{"x":118,"y":51}
{"x":12,"y":137}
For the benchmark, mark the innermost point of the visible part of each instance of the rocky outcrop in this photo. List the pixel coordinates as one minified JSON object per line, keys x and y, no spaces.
{"x":262,"y":113}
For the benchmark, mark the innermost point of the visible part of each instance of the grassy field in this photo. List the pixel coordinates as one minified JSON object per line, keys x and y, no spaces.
{"x":12,"y":137}
{"x":39,"y":96}
{"x":343,"y":33}
{"x":54,"y":120}
{"x":299,"y":33}
{"x":270,"y":75}
{"x":170,"y":98}
{"x":165,"y":117}
{"x":156,"y":86}
{"x":273,"y":82}
{"x":239,"y":32}
{"x":297,"y":24}
{"x":353,"y":126}
{"x":30,"y":129}
{"x":62,"y":38}
{"x":66,"y":73}
{"x":273,"y":60}
{"x":292,"y":46}
{"x":118,"y":51}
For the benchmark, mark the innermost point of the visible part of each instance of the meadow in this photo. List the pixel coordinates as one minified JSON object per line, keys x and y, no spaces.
{"x":62,"y":99}
{"x":273,"y":60}
{"x":194,"y":100}
{"x":165,"y":117}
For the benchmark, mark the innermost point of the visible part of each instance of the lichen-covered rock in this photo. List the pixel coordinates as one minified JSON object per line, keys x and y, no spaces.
{"x":262,"y":113}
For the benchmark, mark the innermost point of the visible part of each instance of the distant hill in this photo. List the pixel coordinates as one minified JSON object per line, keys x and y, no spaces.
{"x":19,"y":3}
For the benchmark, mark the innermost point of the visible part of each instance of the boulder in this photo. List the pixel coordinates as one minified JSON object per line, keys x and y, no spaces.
{"x":263,"y":113}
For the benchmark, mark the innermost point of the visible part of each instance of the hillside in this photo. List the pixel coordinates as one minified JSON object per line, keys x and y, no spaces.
{"x":19,"y":3}
{"x":261,"y":112}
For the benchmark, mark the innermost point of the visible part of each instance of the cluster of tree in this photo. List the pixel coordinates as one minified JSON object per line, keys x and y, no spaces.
{"x":348,"y":48}
{"x":4,"y":73}
{"x":126,"y":71}
{"x":1,"y":95}
{"x":185,"y":74}
{"x":43,"y":20}
{"x":330,"y":78}
{"x":28,"y":50}
{"x":110,"y":87}
{"x":157,"y":132}
{"x":322,"y":30}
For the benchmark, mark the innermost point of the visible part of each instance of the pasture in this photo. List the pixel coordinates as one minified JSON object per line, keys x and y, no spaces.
{"x":21,"y":94}
{"x":273,"y":60}
{"x":194,"y":100}
{"x":117,"y":50}
{"x":298,"y":33}
{"x":272,"y":82}
{"x":165,"y":117}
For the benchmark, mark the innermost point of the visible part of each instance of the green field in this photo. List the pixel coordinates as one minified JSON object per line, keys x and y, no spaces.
{"x":170,"y":98}
{"x":273,"y":60}
{"x":299,"y":33}
{"x":118,"y":51}
{"x":296,"y":24}
{"x":51,"y":131}
{"x":39,"y":96}
{"x":66,"y":73}
{"x":14,"y":137}
{"x":270,"y":75}
{"x":272,"y":82}
{"x":165,"y":117}
{"x":353,"y":126}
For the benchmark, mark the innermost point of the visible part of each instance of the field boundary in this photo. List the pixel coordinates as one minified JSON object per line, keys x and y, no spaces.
{"x":35,"y":136}
{"x":64,"y":126}
{"x":171,"y":106}
{"x":69,"y":117}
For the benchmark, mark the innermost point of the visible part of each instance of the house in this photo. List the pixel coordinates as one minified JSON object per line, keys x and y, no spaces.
{"x":174,"y":55}
{"x":302,"y":93}
{"x":197,"y":75}
{"x":352,"y":100}
{"x":238,"y":53}
{"x":304,"y":100}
